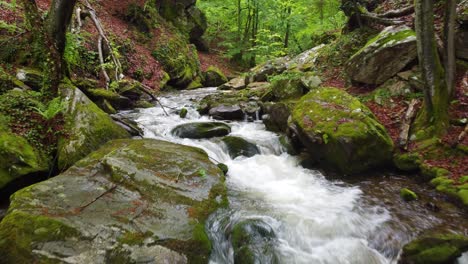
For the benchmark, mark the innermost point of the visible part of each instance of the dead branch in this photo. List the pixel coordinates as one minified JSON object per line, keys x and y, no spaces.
{"x":102,"y":37}
{"x":78,"y":19}
{"x":398,"y":13}
{"x":147,"y":90}
{"x":462,"y":135}
{"x":407,"y":120}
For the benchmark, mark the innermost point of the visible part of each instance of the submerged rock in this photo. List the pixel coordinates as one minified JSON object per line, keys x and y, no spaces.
{"x":86,"y":128}
{"x":199,"y":130}
{"x":340,"y":131}
{"x":383,"y":56}
{"x":240,"y":147}
{"x":132,"y":201}
{"x":252,"y":240}
{"x":434,"y":249}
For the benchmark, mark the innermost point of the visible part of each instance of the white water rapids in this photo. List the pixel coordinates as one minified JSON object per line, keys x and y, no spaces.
{"x":314,"y":219}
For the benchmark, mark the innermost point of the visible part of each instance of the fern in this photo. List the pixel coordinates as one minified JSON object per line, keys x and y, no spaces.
{"x":53,"y":108}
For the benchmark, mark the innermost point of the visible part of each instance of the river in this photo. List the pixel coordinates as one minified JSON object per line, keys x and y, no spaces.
{"x":315,"y":217}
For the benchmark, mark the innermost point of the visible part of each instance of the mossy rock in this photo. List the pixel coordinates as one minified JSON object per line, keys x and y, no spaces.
{"x":288,"y":86}
{"x":198,"y":130}
{"x":31,"y":77}
{"x":340,"y":132}
{"x":145,"y":199}
{"x":276,"y":116}
{"x":383,"y":56}
{"x":450,"y":188}
{"x":9,"y":82}
{"x":434,"y":249}
{"x":86,"y":128}
{"x":253,"y":239}
{"x":179,"y":60}
{"x":183,"y":113}
{"x":18,"y":157}
{"x":195,"y":84}
{"x":240,"y":147}
{"x":408,"y":195}
{"x":214,"y":77}
{"x":407,"y":161}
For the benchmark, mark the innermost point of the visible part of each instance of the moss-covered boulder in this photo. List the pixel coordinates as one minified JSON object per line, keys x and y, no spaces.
{"x":86,"y":128}
{"x":179,"y":59}
{"x":197,"y":130}
{"x":18,"y":158}
{"x":408,"y":195}
{"x":253,"y":239}
{"x":449,"y":187}
{"x":9,"y":82}
{"x":434,"y":249}
{"x":383,"y":56}
{"x":132,"y":200}
{"x":340,"y":132}
{"x":407,"y":161}
{"x":240,"y":147}
{"x":288,"y":86}
{"x":214,"y":77}
{"x":276,"y":116}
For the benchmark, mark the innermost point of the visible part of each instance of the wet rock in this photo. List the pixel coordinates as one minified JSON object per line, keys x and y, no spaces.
{"x":252,"y":240}
{"x":240,"y":147}
{"x":227,"y":112}
{"x":276,"y":116}
{"x":340,"y":132}
{"x":434,"y":249}
{"x":407,"y":161}
{"x":86,"y":128}
{"x":223,"y":167}
{"x":183,"y":112}
{"x":234,"y":84}
{"x":129,"y":125}
{"x":18,"y":157}
{"x":408,"y":195}
{"x":214,"y":77}
{"x":103,"y":96}
{"x":132,"y":201}
{"x":199,"y":130}
{"x":383,"y":56}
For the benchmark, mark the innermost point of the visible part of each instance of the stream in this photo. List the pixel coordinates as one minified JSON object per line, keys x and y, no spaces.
{"x":316,"y":218}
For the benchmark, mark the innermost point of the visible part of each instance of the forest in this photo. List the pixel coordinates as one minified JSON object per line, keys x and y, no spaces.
{"x":235,"y":131}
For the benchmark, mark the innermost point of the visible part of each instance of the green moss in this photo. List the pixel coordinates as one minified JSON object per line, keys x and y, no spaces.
{"x":223,"y":167}
{"x":19,"y":230}
{"x":143,"y":104}
{"x":195,"y":84}
{"x":183,"y":112}
{"x":214,"y":77}
{"x":355,"y":140}
{"x":104,"y":94}
{"x":408,"y":195}
{"x":407,"y":161}
{"x":133,"y":238}
{"x":430,"y":172}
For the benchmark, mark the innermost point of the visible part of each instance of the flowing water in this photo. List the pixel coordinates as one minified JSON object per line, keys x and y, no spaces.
{"x":315,"y":219}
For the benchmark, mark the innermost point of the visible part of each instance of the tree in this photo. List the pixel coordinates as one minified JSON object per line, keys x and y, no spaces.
{"x":50,"y":34}
{"x":436,"y":97}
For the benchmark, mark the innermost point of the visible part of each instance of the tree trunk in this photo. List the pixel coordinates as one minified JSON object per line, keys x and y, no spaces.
{"x":449,"y":44}
{"x":435,"y":111}
{"x":288,"y":28}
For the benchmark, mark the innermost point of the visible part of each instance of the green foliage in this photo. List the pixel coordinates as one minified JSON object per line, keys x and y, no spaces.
{"x":52,"y":109}
{"x":202,"y":173}
{"x":229,"y":26}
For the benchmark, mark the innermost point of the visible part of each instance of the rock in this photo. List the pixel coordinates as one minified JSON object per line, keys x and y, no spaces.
{"x":305,"y":61}
{"x":31,"y":77}
{"x":383,"y":56}
{"x":9,"y":82}
{"x":434,"y":249}
{"x":408,"y":195}
{"x":276,"y":116}
{"x":132,"y":201}
{"x":129,"y":125}
{"x":18,"y":157}
{"x":240,"y":147}
{"x":199,"y":130}
{"x":340,"y":132}
{"x":195,"y":84}
{"x":214,"y":77}
{"x":253,"y":239}
{"x":288,"y":86}
{"x":310,"y":81}
{"x":269,"y":68}
{"x":227,"y":112}
{"x":86,"y":127}
{"x":183,"y":112}
{"x":234,"y":84}
{"x":117,"y":101}
{"x":223,"y":167}
{"x":407,"y":161}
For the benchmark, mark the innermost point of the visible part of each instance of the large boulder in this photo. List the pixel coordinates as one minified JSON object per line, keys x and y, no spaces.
{"x":240,"y":147}
{"x":340,"y":131}
{"x":132,"y":201}
{"x":214,"y":77}
{"x":18,"y":157}
{"x":198,"y":130}
{"x":276,"y":116}
{"x":434,"y":249}
{"x":383,"y":56}
{"x":86,"y":128}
